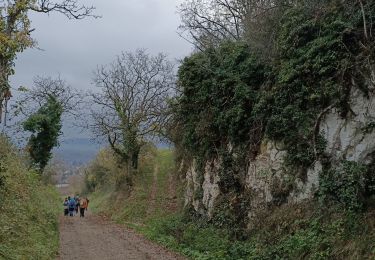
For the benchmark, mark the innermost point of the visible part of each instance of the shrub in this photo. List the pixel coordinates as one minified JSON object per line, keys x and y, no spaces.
{"x":345,"y":183}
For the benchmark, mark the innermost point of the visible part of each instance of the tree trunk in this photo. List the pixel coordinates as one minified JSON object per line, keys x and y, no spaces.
{"x":135,"y":157}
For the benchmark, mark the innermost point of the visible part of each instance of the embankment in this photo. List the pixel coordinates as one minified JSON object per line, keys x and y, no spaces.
{"x":28,"y":210}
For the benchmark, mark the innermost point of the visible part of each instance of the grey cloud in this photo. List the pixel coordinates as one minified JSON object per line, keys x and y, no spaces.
{"x":73,"y":49}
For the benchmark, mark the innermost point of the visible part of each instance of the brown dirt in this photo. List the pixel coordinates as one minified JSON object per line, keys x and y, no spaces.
{"x":95,"y":238}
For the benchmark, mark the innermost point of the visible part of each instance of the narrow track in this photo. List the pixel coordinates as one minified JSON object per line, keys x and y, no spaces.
{"x":95,"y":238}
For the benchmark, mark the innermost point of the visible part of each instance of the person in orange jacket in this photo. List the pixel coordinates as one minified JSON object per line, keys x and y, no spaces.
{"x":83,"y":206}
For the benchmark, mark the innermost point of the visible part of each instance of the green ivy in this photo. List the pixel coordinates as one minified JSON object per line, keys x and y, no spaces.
{"x":220,"y":87}
{"x":232,"y":97}
{"x":45,"y":126}
{"x":345,"y":184}
{"x":311,"y":75}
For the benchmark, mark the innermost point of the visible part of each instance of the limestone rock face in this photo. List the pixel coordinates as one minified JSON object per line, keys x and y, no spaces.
{"x":306,"y":189}
{"x":210,"y":185}
{"x":263,"y":174}
{"x":207,"y":191}
{"x":348,"y":139}
{"x":192,"y":186}
{"x":268,"y":182}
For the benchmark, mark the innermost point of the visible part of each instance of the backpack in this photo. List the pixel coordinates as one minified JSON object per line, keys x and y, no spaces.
{"x":72,"y":204}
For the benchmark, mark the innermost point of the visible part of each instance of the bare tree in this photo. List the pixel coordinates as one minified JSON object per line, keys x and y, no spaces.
{"x":208,"y":22}
{"x":130,"y":107}
{"x":44,"y":87}
{"x":70,"y":8}
{"x":15,"y":30}
{"x":262,"y":23}
{"x":30,"y":101}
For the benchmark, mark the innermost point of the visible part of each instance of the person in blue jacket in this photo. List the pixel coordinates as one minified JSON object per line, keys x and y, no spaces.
{"x":72,"y":206}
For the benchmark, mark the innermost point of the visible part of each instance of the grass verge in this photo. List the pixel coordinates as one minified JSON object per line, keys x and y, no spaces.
{"x":154,"y":208}
{"x":29,"y":210}
{"x":333,"y":234}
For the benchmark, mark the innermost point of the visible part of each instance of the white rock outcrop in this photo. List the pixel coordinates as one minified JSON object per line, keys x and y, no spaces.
{"x":346,"y":139}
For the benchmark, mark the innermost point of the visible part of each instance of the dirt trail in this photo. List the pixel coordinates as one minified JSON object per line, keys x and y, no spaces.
{"x":94,"y":238}
{"x":154,"y":190}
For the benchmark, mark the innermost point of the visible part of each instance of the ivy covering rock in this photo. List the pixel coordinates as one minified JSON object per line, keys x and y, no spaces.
{"x":234,"y":101}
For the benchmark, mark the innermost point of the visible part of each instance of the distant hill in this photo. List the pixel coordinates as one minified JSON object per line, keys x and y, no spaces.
{"x":77,"y":151}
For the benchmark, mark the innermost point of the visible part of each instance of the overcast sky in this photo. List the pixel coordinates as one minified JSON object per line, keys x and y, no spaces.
{"x":74,"y":48}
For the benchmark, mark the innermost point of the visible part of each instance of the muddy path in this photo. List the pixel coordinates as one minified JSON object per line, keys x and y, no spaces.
{"x":95,"y":238}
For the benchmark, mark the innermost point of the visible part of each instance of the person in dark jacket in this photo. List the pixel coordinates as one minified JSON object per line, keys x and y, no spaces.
{"x":66,"y":207}
{"x":77,"y":199}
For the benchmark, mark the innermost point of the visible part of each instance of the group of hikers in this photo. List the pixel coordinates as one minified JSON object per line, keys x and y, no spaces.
{"x":74,"y":204}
